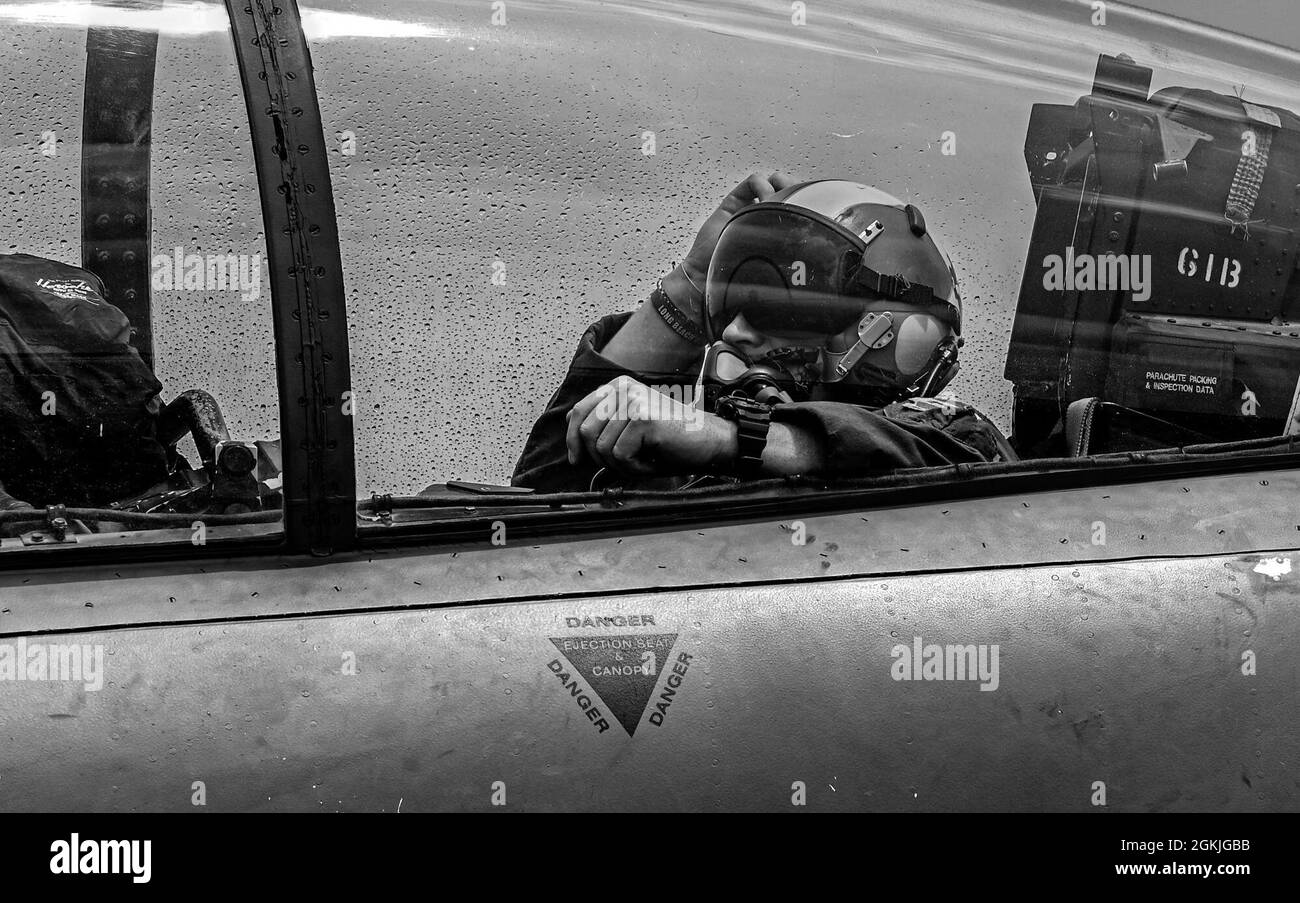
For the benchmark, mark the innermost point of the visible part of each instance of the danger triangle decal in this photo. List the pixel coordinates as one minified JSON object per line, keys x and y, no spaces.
{"x":622,"y":670}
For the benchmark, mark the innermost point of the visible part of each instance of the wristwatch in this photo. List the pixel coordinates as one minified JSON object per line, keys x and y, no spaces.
{"x":752,"y":420}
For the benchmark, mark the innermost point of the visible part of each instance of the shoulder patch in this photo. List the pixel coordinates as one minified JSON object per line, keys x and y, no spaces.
{"x":70,"y":289}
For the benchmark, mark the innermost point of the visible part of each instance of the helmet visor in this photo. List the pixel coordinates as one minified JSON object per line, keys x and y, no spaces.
{"x":786,"y":271}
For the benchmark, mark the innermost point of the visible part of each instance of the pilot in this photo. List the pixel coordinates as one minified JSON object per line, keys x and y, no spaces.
{"x":830,"y":307}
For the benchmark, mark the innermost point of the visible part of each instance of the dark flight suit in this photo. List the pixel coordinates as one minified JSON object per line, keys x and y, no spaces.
{"x":858,"y":441}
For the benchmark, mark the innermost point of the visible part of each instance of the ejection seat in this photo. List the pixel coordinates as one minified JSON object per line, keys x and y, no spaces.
{"x":1094,"y":426}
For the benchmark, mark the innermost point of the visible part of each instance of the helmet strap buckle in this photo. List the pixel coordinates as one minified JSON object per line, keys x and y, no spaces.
{"x":875,"y":330}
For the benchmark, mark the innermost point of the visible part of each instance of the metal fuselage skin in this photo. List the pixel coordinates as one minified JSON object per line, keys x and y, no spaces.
{"x":434,"y":678}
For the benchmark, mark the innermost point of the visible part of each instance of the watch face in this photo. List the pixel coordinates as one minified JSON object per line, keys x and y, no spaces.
{"x":730,"y":407}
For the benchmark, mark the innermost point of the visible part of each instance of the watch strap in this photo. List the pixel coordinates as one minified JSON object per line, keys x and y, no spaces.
{"x":753,"y":420}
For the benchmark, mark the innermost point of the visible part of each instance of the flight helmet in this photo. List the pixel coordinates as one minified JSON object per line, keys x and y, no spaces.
{"x":852,"y":277}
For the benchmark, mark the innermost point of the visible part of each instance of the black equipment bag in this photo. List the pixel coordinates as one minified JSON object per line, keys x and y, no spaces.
{"x":1199,"y":193}
{"x":78,"y":406}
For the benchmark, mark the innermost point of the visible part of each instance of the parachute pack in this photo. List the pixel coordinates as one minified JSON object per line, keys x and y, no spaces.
{"x":1161,"y":291}
{"x":78,"y":406}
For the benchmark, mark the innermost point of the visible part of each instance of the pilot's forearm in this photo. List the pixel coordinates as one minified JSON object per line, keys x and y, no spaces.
{"x":791,"y":449}
{"x":646,"y":344}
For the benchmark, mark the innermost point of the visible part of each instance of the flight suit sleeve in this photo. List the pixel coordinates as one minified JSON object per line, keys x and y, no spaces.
{"x":544,"y":463}
{"x":860,"y":441}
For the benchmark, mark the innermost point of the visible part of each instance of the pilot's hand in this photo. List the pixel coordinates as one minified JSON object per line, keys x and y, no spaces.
{"x":685,"y":284}
{"x":632,"y":429}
